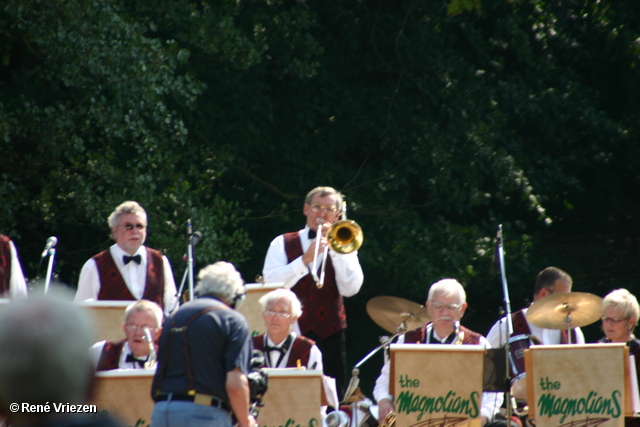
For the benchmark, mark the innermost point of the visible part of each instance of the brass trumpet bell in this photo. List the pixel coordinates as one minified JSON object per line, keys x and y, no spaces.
{"x":344,"y":236}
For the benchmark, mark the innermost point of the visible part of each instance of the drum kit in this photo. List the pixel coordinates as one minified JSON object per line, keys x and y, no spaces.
{"x":557,"y":311}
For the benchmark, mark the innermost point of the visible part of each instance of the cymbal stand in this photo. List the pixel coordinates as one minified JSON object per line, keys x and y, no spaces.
{"x":353,"y":383}
{"x":52,"y":254}
{"x":509,"y":321}
{"x":569,"y":321}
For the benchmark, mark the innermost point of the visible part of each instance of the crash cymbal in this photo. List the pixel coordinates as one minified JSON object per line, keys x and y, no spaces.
{"x":551,"y":311}
{"x":390,"y":312}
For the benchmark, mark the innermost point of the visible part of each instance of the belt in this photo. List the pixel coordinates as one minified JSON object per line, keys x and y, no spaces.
{"x":197,"y":398}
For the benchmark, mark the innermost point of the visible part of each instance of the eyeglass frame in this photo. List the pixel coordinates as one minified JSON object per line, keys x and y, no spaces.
{"x":440,"y":305}
{"x":129,"y":226}
{"x":613,"y":320}
{"x":317,"y":208}
{"x":280,"y":314}
{"x":132,"y":327}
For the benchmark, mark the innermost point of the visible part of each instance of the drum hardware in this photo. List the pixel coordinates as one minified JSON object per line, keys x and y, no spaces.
{"x":343,"y":236}
{"x":337,"y":419}
{"x":565,"y":311}
{"x":392,"y":312}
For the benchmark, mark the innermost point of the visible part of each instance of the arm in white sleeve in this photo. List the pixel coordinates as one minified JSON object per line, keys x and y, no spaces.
{"x":497,"y":336}
{"x":349,"y":276}
{"x":315,"y":359}
{"x":95,"y":351}
{"x":381,"y":389}
{"x":277,"y":269}
{"x":89,"y":282}
{"x":17,"y":284}
{"x":579,"y":336}
{"x":170,"y":300}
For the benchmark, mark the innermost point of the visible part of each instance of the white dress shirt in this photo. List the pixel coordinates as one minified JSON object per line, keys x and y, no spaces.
{"x":498,"y":334}
{"x":315,"y":356}
{"x":17,"y":283}
{"x":134,"y":275}
{"x":349,"y":276}
{"x":96,"y":350}
{"x":491,"y":401}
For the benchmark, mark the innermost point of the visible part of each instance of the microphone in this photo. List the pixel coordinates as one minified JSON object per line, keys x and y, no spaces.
{"x":189,"y":228}
{"x":51,"y":243}
{"x":195,"y":238}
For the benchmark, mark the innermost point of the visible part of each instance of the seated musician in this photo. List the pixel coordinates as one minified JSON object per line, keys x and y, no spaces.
{"x":282,"y":347}
{"x":12,"y":281}
{"x":549,"y":281}
{"x":142,"y":319}
{"x":445,"y":305}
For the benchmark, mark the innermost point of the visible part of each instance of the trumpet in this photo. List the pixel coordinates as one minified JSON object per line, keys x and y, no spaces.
{"x":344,"y":236}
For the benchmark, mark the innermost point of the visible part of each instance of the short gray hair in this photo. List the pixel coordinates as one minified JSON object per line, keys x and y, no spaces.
{"x":624,"y":301}
{"x":124,"y":208}
{"x":448,"y":287}
{"x":144,"y":306}
{"x":44,"y":357}
{"x":270,"y":298}
{"x":221,"y":280}
{"x":324,"y":192}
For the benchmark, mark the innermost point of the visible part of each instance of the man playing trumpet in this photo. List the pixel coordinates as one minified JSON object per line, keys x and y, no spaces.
{"x":291,"y":257}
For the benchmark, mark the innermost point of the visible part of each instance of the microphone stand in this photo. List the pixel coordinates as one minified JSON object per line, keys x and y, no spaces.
{"x":509,"y":321}
{"x":51,"y":254}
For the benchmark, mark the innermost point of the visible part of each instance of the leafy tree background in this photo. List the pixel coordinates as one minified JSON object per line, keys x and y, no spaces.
{"x":438,"y":120}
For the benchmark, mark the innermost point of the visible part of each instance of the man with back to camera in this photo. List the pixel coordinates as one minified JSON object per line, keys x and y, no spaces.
{"x":142,"y":327}
{"x":204,"y":357}
{"x":44,"y":361}
{"x":290,"y":259}
{"x":128,"y":270}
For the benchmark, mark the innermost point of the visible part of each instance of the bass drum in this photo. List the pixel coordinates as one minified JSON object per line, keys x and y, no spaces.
{"x":517,"y":345}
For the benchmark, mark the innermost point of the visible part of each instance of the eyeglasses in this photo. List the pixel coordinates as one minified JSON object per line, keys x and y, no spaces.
{"x":440,"y":306}
{"x":131,"y":327}
{"x":280,"y":314}
{"x":606,"y":319}
{"x":130,"y":227}
{"x":326,"y":209}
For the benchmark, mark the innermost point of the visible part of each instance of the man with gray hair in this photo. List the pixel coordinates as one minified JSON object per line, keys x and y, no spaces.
{"x":204,"y":357}
{"x":128,"y":270}
{"x":142,"y":327}
{"x":282,"y":347}
{"x":290,"y":259}
{"x":446,"y":304}
{"x":44,"y":361}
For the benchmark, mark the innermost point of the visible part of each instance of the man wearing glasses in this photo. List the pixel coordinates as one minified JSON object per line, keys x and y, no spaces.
{"x":290,"y":259}
{"x":142,"y":327}
{"x":446,"y":303}
{"x":549,"y":281}
{"x":128,"y":270}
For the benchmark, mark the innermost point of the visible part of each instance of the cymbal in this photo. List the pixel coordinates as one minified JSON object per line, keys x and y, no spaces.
{"x":390,"y":312}
{"x":551,"y":311}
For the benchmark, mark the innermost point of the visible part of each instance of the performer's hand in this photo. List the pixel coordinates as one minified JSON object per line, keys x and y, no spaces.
{"x":483,"y":420}
{"x":384,"y":407}
{"x":307,"y":258}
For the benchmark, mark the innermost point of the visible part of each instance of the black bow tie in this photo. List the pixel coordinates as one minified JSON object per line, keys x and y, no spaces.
{"x":136,"y":258}
{"x":282,"y":350}
{"x":131,"y":358}
{"x":312,"y":234}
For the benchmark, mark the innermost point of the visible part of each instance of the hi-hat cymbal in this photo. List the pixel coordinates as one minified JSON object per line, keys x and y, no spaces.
{"x":551,"y":311}
{"x":390,"y":312}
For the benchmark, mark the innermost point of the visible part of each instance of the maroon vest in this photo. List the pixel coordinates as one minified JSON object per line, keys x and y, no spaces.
{"x":300,"y":350}
{"x":323,"y":309}
{"x":418,"y":336}
{"x":5,"y":265}
{"x":110,"y":356}
{"x":113,"y":286}
{"x":521,"y":327}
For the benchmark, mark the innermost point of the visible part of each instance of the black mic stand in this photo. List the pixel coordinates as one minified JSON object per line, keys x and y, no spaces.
{"x":192,"y":240}
{"x":509,"y":321}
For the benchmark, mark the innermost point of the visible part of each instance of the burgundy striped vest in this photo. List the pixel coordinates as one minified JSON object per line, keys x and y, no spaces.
{"x":323,"y":309}
{"x":300,"y":350}
{"x":418,"y":336}
{"x":113,"y":286}
{"x":5,"y":265}
{"x":110,"y":356}
{"x":521,"y":327}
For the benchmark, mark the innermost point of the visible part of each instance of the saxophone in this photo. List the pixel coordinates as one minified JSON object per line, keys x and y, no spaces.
{"x":389,"y":420}
{"x":459,"y":334}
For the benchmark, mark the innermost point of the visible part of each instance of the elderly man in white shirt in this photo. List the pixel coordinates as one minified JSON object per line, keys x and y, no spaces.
{"x":128,"y":270}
